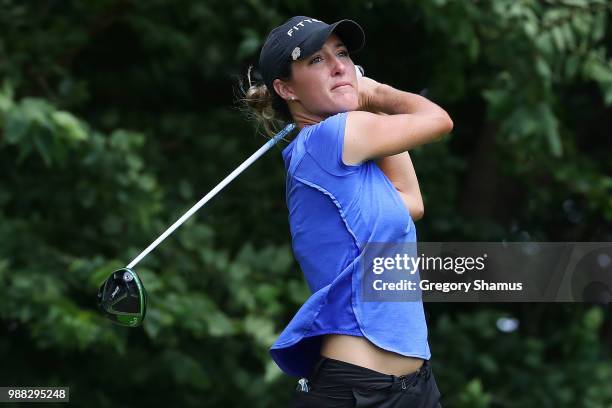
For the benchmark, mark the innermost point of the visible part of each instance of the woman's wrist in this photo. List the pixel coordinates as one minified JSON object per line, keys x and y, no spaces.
{"x":380,"y":99}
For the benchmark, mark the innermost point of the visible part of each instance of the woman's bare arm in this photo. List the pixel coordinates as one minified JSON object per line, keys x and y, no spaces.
{"x":400,"y":171}
{"x":376,"y":97}
{"x":385,"y":100}
{"x":412,"y":121}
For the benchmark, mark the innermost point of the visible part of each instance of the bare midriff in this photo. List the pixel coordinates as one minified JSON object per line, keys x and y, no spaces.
{"x":360,"y":351}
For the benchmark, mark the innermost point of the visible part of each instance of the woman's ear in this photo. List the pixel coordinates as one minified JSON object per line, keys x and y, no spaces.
{"x":284,"y":90}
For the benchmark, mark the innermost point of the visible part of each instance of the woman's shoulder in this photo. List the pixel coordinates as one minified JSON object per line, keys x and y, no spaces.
{"x":334,"y":119}
{"x":332,"y":124}
{"x":324,"y":143}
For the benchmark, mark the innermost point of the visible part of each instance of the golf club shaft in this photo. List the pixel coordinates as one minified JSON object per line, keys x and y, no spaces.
{"x":359,"y":70}
{"x":213,"y":192}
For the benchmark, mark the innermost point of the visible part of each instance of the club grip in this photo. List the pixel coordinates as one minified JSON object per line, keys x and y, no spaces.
{"x":359,"y":70}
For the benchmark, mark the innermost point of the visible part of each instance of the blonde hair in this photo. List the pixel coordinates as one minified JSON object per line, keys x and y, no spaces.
{"x":268,"y":109}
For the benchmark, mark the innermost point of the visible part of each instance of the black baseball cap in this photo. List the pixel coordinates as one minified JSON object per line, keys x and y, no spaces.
{"x":299,"y":37}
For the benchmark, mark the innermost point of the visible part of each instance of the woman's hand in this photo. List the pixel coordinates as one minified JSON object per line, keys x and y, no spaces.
{"x":367,"y":88}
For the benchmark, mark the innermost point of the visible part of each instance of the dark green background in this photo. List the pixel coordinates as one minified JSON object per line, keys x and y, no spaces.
{"x":116,"y":116}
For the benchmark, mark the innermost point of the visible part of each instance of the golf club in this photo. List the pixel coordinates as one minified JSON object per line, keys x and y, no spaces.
{"x":122,"y":296}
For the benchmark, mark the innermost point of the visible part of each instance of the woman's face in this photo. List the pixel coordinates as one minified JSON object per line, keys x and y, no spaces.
{"x":323,"y":83}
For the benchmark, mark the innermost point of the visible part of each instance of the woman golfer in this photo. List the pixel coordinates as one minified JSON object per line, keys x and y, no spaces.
{"x":350,"y":181}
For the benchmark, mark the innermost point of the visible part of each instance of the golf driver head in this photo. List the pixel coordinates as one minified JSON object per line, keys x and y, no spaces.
{"x":123,"y":299}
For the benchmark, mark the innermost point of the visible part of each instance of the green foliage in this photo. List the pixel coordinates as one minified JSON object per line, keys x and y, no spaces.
{"x":116,"y":116}
{"x":528,"y":367}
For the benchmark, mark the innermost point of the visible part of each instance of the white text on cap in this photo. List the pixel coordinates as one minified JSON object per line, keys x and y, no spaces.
{"x":301,"y":23}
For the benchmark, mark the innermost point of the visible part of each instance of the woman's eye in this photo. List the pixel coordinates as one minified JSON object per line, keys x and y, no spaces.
{"x":317,"y":59}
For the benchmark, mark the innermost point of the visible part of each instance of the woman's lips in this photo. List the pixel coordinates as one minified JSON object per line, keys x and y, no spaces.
{"x":340,"y":85}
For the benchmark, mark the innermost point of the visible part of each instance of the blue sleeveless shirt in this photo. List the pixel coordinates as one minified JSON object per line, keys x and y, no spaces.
{"x":334,"y":211}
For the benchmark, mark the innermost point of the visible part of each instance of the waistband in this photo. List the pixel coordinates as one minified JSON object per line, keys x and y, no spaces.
{"x":329,"y":373}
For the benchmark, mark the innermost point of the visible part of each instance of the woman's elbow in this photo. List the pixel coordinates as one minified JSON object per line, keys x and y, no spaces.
{"x":446,"y":125}
{"x":439,"y":125}
{"x":449,"y":124}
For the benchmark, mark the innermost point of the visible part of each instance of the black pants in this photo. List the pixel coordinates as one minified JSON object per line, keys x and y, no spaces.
{"x":337,"y":384}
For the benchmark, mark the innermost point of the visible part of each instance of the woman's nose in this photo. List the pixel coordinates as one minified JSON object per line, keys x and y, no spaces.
{"x":338,"y":66}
